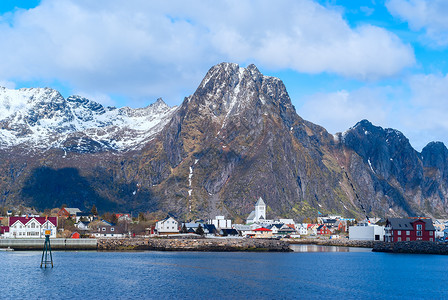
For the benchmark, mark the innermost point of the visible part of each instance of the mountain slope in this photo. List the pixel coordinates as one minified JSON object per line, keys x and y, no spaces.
{"x":238,"y":137}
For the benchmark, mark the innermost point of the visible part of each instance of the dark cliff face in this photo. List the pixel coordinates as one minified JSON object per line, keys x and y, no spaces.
{"x":238,"y":137}
{"x":408,"y":182}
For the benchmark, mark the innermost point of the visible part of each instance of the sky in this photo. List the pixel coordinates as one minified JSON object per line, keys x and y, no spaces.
{"x":341,"y":61}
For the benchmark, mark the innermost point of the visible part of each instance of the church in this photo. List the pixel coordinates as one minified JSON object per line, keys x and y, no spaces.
{"x":259,"y":214}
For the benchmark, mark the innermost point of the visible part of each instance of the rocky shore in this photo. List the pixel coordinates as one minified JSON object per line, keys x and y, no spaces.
{"x":194,"y":244}
{"x":343,"y":242}
{"x":417,"y":247}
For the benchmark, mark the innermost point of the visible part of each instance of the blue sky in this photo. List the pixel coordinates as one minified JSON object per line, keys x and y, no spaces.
{"x":341,"y":61}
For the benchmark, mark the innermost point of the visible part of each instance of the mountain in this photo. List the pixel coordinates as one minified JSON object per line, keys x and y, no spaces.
{"x":41,"y":119}
{"x":238,"y":137}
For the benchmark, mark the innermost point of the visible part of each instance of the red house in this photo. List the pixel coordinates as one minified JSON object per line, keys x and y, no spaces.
{"x":322,"y":229}
{"x":402,"y":229}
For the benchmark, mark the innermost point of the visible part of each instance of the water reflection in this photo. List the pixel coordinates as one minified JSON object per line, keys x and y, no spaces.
{"x":319,"y":248}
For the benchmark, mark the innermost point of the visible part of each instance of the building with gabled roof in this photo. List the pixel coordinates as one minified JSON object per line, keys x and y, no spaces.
{"x":66,"y":212}
{"x":409,"y":229}
{"x":26,"y":227}
{"x":167,"y":226}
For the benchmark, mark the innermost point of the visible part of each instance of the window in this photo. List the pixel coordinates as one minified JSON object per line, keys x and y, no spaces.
{"x":431,"y":240}
{"x":399,"y":239}
{"x":408,"y":232}
{"x":33,"y":225}
{"x":419,"y":226}
{"x":430,"y":233}
{"x":399,"y":232}
{"x":112,"y":229}
{"x":104,"y":228}
{"x":408,"y":239}
{"x":419,"y":233}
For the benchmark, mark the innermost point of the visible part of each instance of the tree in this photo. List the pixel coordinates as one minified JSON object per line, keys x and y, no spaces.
{"x":141,"y":217}
{"x":200,"y":230}
{"x":114,"y":219}
{"x":94,"y":211}
{"x":184,"y":229}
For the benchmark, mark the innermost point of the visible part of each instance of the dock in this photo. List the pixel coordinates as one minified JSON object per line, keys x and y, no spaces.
{"x":56,"y":244}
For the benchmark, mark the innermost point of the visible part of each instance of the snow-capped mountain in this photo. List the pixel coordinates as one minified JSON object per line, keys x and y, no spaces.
{"x":40,"y":118}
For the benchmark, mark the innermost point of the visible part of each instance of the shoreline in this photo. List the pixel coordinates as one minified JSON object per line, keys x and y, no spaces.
{"x":194,"y":244}
{"x":202,"y":244}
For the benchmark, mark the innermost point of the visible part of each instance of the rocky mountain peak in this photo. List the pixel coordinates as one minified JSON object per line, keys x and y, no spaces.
{"x":228,"y":90}
{"x":435,"y":154}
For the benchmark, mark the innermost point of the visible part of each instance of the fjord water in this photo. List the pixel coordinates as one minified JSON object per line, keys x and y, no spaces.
{"x":312,"y":272}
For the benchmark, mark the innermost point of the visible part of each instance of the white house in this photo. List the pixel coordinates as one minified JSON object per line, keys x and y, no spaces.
{"x":366,"y":232}
{"x":167,"y":226}
{"x":109,"y":232}
{"x":25,"y":227}
{"x":302,"y":229}
{"x":221,"y":223}
{"x":246,"y":230}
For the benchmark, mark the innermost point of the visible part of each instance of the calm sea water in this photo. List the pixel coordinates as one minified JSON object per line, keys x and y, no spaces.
{"x":312,"y":272}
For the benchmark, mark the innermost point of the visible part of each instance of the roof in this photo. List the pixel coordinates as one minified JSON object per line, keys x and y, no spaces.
{"x":110,"y":230}
{"x":4,"y":229}
{"x":167,"y":218}
{"x":210,"y":227}
{"x":40,"y":220}
{"x":260,"y":202}
{"x":262,"y":229}
{"x":242,"y":227}
{"x":321,"y":227}
{"x":229,"y":231}
{"x":406,"y":224}
{"x":251,"y":215}
{"x":72,"y":210}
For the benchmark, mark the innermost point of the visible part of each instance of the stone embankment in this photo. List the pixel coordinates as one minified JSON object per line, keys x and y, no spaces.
{"x":194,"y":244}
{"x":342,"y":242}
{"x":416,"y":247}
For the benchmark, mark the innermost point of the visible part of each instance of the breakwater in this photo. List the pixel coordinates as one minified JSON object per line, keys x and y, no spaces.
{"x":194,"y":244}
{"x":56,"y":244}
{"x":416,"y":247}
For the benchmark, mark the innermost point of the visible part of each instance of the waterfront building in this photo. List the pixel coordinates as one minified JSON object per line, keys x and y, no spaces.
{"x":302,"y":229}
{"x":109,"y":232}
{"x":167,"y":226}
{"x":411,"y":229}
{"x":323,"y":229}
{"x":246,"y":230}
{"x":263,"y":233}
{"x":26,"y":227}
{"x":366,"y":232}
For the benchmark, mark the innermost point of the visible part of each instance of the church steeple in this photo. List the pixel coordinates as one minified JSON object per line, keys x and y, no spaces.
{"x":260,"y":210}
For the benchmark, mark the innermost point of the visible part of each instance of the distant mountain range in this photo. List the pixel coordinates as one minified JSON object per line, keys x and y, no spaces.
{"x":238,"y":137}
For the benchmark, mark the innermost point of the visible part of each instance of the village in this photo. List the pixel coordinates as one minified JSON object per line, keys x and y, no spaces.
{"x":73,"y":223}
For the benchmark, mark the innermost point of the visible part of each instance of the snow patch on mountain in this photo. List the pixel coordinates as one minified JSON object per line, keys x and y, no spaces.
{"x":40,"y":118}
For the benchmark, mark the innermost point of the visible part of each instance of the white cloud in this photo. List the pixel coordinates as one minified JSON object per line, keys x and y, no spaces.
{"x":427,"y":15}
{"x":146,"y":49}
{"x":419,"y":109}
{"x":341,"y":110}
